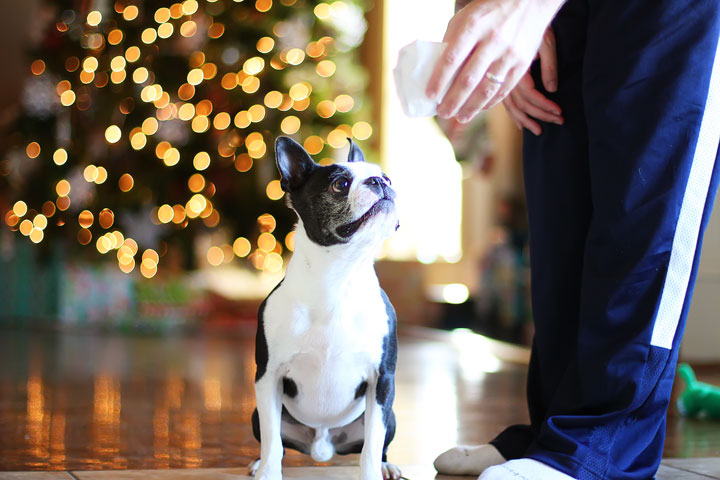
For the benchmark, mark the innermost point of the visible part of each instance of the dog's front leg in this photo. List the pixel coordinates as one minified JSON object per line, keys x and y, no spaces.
{"x":269,"y":406}
{"x":371,"y":455}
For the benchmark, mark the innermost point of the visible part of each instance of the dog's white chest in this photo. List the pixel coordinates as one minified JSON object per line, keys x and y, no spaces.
{"x":327,"y":351}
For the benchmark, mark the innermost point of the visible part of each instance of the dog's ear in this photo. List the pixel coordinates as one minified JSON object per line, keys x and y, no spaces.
{"x":355,"y":154}
{"x":294,"y":163}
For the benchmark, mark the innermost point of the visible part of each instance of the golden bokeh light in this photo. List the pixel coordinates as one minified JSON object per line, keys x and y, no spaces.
{"x":171,"y":157}
{"x":149,"y":35}
{"x":62,"y":188}
{"x":130,"y":13}
{"x":295,"y":56}
{"x":186,"y":91}
{"x":322,"y":11}
{"x":36,"y":236}
{"x":273,"y":263}
{"x":132,"y":54}
{"x":90,"y":173}
{"x":263,"y":5}
{"x":266,"y":223}
{"x":241,"y":247}
{"x":126,"y":182}
{"x":195,"y":76}
{"x":250,"y":85}
{"x":201,"y":161}
{"x":60,"y":156}
{"x":216,"y":30}
{"x":138,"y":140}
{"x":362,"y":130}
{"x":101,"y":175}
{"x":326,"y":68}
{"x":63,"y":203}
{"x":115,"y":36}
{"x":20,"y":208}
{"x":67,"y":98}
{"x":90,"y":64}
{"x":290,"y":241}
{"x":26,"y":226}
{"x":40,"y":221}
{"x":150,"y":126}
{"x":273,"y":99}
{"x":72,"y":64}
{"x":94,"y":18}
{"x":11,"y":219}
{"x":229,"y":81}
{"x":86,"y":218}
{"x":188,"y":28}
{"x":186,"y":112}
{"x":337,"y":138}
{"x":215,"y":256}
{"x":221,"y":121}
{"x":113,"y":134}
{"x":84,"y":236}
{"x":37,"y":67}
{"x":33,"y":149}
{"x":266,"y":242}
{"x":243,"y":162}
{"x":242,"y":119}
{"x":196,"y":183}
{"x":140,"y":75}
{"x":253,"y":65}
{"x":274,"y":190}
{"x":200,"y":124}
{"x":162,"y":15}
{"x":290,"y":125}
{"x":165,"y":30}
{"x":117,"y":63}
{"x":265,"y":44}
{"x":326,"y":108}
{"x":344,"y":103}
{"x":313,"y":144}
{"x":106,"y":218}
{"x":189,"y":7}
{"x":315,"y":49}
{"x":117,"y":77}
{"x":146,"y":271}
{"x":165,"y":213}
{"x":302,"y":104}
{"x":48,"y":209}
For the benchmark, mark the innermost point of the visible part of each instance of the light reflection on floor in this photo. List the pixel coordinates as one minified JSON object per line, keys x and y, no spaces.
{"x":86,"y":402}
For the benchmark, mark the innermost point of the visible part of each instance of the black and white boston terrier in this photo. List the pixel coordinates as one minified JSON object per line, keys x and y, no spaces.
{"x":326,"y":345}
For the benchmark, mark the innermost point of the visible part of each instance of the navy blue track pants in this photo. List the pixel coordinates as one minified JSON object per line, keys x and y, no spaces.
{"x":618,"y":198}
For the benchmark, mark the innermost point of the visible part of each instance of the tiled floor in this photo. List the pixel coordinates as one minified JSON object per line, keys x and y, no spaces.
{"x":126,"y":407}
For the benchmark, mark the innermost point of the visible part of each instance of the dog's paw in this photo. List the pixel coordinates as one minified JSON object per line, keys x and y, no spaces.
{"x":390,"y":471}
{"x":265,"y":472}
{"x":253,"y":467}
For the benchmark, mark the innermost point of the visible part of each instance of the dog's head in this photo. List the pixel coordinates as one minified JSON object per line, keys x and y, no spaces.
{"x":343,"y":203}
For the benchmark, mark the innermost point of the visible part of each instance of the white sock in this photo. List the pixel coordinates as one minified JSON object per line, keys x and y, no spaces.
{"x":468,"y":460}
{"x":523,"y":469}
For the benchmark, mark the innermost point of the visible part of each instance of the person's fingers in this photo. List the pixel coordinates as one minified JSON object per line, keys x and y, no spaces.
{"x":548,"y":61}
{"x":459,"y":45}
{"x":521,"y":98}
{"x":470,"y":82}
{"x":513,"y":79}
{"x":519,"y":117}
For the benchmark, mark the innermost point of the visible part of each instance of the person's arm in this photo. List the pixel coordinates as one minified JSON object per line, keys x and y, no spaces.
{"x":491,"y":44}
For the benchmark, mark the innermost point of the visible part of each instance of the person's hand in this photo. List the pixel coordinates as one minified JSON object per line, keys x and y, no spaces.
{"x":525,"y":103}
{"x":491,"y":44}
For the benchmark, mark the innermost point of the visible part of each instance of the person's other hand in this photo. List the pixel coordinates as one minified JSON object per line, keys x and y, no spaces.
{"x":525,"y":103}
{"x":491,"y":44}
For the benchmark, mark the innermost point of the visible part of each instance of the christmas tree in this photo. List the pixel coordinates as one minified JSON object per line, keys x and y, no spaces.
{"x":146,"y":125}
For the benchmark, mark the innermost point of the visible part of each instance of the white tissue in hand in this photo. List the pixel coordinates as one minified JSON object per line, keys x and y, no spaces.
{"x":414,"y":66}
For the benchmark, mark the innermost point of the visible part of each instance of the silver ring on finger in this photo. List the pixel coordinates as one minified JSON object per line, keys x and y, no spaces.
{"x":494,"y":79}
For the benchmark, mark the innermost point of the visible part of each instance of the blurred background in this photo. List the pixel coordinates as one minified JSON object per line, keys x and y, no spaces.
{"x":143,"y":221}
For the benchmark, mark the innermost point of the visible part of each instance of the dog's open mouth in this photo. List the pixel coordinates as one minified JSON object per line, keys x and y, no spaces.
{"x":349,"y":229}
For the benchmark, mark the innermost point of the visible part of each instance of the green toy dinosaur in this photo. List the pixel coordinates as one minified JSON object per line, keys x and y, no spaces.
{"x":699,"y":400}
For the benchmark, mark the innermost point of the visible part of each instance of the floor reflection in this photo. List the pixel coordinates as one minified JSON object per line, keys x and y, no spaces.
{"x":86,"y":402}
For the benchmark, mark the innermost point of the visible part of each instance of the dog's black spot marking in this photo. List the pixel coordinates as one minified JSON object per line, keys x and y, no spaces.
{"x":289,"y":387}
{"x":350,"y":448}
{"x":341,"y":438}
{"x":361,"y":389}
{"x":261,"y":346}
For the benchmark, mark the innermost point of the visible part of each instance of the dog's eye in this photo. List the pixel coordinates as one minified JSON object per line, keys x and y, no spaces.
{"x":340,"y":185}
{"x":387,"y":179}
